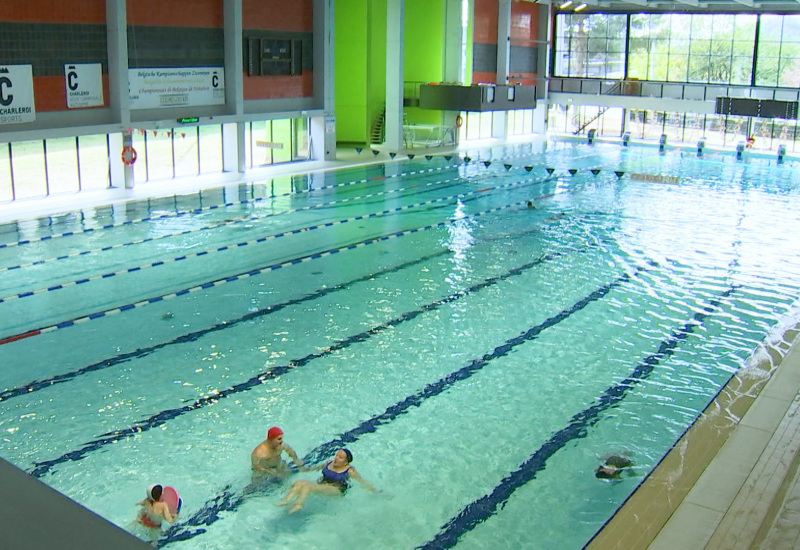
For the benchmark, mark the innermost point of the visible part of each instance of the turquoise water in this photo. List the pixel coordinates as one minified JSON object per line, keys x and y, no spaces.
{"x":478,"y":356}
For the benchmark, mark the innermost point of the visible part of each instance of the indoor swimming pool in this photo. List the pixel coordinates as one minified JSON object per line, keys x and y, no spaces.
{"x":480,"y":331}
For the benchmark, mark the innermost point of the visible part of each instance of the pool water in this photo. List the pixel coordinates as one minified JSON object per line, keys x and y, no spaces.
{"x":478,"y":356}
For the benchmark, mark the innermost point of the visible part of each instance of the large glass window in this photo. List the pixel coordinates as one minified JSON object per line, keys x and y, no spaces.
{"x":779,"y":51}
{"x":62,"y":165}
{"x":590,"y":45}
{"x":701,"y":48}
{"x":93,"y":162}
{"x":6,"y":181}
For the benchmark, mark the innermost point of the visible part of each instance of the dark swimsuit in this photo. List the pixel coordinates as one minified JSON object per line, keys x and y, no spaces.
{"x":335,"y":478}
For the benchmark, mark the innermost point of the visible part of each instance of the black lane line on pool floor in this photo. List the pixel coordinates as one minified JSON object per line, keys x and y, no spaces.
{"x":485,"y":507}
{"x":228,"y":501}
{"x":37,"y":385}
{"x":41,"y":468}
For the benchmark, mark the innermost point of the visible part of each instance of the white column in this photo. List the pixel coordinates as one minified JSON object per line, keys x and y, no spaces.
{"x":233,"y":148}
{"x":500,"y":118}
{"x":542,"y":68}
{"x":395,"y":22}
{"x":117,"y":38}
{"x":323,"y":128}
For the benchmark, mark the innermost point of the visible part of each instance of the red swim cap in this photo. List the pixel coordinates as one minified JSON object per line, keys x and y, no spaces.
{"x":274,"y":432}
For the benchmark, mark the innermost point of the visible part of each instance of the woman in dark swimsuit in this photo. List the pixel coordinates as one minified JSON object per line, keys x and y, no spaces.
{"x":336,"y":474}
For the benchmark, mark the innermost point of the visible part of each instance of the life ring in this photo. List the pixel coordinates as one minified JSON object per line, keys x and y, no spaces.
{"x":128,"y":155}
{"x":459,"y":121}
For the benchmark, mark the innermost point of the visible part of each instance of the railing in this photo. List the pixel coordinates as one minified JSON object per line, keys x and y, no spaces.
{"x":611,"y":91}
{"x":667,"y":90}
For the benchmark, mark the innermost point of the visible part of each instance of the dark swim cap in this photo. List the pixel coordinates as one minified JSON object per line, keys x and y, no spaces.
{"x":348,"y":454}
{"x":154,"y":492}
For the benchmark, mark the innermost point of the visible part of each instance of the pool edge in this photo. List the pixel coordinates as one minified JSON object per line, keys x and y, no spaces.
{"x":662,"y":514}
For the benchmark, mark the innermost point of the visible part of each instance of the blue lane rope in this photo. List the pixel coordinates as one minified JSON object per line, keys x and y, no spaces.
{"x":194,"y":336}
{"x":236,"y":246}
{"x":225,"y":223}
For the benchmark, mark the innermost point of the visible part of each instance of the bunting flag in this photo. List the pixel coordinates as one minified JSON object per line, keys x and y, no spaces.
{"x":428,"y":157}
{"x":550,"y":170}
{"x":595,"y":171}
{"x":359,"y":149}
{"x":619,"y":174}
{"x":411,"y":157}
{"x":467,"y":159}
{"x":508,"y":167}
{"x":392,"y":155}
{"x":487,"y":163}
{"x":528,"y":168}
{"x":572,"y":171}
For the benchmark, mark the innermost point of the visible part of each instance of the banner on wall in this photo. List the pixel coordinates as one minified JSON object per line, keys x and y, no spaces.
{"x":156,"y":88}
{"x":16,"y":94}
{"x":84,"y":85}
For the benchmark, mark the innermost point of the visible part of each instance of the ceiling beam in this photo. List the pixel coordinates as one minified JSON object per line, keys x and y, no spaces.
{"x":694,"y":3}
{"x":748,"y":3}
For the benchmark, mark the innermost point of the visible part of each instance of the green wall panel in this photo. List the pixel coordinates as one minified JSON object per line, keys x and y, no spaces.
{"x":350,"y":80}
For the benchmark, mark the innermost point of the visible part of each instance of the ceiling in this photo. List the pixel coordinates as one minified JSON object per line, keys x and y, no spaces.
{"x":683,"y":6}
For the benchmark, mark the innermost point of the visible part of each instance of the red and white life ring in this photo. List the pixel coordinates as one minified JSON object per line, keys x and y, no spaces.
{"x":128,"y":155}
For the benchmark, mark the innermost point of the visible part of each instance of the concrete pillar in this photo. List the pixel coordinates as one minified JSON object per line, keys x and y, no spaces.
{"x":542,"y":68}
{"x":233,"y":148}
{"x":500,"y":118}
{"x":395,"y":23}
{"x":322,"y":129}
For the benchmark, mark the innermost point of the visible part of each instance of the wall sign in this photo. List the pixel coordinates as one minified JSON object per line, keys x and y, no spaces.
{"x":156,"y":88}
{"x":16,"y":94}
{"x":84,"y":85}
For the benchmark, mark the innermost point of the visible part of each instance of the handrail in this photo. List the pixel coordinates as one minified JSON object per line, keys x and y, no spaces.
{"x":600,"y":112}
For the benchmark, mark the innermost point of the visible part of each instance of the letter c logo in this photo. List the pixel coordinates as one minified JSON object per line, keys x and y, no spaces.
{"x":5,"y":100}
{"x":215,"y":81}
{"x":72,"y":80}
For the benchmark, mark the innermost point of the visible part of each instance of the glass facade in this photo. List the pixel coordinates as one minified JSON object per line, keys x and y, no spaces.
{"x":711,"y":49}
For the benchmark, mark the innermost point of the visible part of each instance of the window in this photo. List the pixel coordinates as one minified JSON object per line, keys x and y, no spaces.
{"x":779,"y":51}
{"x":590,"y":45}
{"x":699,"y":48}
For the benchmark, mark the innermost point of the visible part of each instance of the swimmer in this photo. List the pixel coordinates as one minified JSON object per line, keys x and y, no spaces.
{"x":336,"y":474}
{"x":266,"y":457}
{"x":751,"y":142}
{"x":531,"y":205}
{"x":613,"y":467}
{"x":154,"y":512}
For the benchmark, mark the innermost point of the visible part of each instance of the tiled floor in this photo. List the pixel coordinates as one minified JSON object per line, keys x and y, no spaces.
{"x":732,"y":481}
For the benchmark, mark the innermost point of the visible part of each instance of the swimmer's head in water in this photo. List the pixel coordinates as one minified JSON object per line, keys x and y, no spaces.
{"x":274,"y":432}
{"x":348,"y":454}
{"x":154,"y":492}
{"x":606,"y":472}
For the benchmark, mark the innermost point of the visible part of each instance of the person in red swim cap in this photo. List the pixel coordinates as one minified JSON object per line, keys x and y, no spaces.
{"x":266,"y":458}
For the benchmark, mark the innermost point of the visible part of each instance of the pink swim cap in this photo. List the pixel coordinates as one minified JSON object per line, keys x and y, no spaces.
{"x":274,"y":432}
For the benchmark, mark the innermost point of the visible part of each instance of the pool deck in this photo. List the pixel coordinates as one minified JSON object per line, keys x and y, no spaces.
{"x":732,"y":481}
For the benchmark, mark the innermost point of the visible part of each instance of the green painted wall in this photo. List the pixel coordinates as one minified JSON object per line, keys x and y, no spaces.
{"x":350,"y":70}
{"x":376,"y":86}
{"x":423,"y":45}
{"x":360,"y":61}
